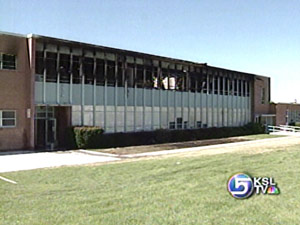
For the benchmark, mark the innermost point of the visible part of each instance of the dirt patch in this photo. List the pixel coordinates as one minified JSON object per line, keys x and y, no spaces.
{"x":170,"y":146}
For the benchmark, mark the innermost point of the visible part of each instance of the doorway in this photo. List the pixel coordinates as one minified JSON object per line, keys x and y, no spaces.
{"x":45,"y":127}
{"x":51,"y":124}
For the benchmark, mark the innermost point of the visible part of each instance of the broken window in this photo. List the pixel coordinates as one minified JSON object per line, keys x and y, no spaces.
{"x":120,"y":75}
{"x":244,"y":88}
{"x":140,"y":76}
{"x":210,"y":85}
{"x":231,"y":86}
{"x":222,"y":85}
{"x":240,"y":83}
{"x":39,"y":62}
{"x":111,"y":79}
{"x":76,"y":69}
{"x":165,"y":79}
{"x":88,"y":70}
{"x":226,"y":86}
{"x":51,"y":66}
{"x":236,"y":87}
{"x":64,"y":68}
{"x":202,"y":84}
{"x":216,"y":85}
{"x":180,"y":82}
{"x":149,"y":83}
{"x":248,"y":89}
{"x":100,"y":72}
{"x":192,"y":83}
{"x":130,"y":75}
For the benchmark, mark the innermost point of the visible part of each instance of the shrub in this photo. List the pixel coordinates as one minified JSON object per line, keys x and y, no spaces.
{"x":93,"y":137}
{"x":86,"y":137}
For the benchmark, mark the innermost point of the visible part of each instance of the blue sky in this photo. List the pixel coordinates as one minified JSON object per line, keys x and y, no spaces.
{"x":261,"y":37}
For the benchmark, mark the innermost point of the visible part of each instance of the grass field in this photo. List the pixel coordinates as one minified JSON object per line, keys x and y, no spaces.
{"x":172,"y":190}
{"x":261,"y":136}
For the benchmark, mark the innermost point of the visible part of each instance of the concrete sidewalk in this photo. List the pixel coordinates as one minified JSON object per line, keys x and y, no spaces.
{"x":9,"y":163}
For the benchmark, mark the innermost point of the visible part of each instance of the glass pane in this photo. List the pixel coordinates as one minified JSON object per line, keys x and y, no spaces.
{"x":51,"y":131}
{"x":8,"y":115}
{"x":9,"y":62}
{"x":8,"y":123}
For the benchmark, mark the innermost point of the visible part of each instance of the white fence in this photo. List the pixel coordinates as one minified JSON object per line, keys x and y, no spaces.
{"x":284,"y":130}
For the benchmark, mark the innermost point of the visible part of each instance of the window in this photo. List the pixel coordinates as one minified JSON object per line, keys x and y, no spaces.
{"x":7,"y":118}
{"x":51,"y":66}
{"x":64,"y":68}
{"x":172,"y":125}
{"x":7,"y":61}
{"x":179,"y":123}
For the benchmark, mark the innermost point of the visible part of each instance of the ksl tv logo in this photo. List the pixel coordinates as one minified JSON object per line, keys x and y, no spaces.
{"x":242,"y":186}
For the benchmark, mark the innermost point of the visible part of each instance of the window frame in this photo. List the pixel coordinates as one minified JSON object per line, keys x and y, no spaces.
{"x":1,"y":119}
{"x":1,"y":61}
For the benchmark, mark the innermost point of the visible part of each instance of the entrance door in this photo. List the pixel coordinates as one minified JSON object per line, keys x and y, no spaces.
{"x":46,"y":133}
{"x":51,"y":133}
{"x":45,"y":127}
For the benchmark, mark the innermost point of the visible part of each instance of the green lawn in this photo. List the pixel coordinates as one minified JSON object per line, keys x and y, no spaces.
{"x":261,"y":136}
{"x":176,"y":190}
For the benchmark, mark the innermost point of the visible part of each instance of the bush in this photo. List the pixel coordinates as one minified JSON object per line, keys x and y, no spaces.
{"x":86,"y":137}
{"x":93,"y":137}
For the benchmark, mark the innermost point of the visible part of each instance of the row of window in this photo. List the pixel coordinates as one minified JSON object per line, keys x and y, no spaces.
{"x":7,"y":61}
{"x":184,"y":125}
{"x":113,"y":73}
{"x":7,"y":118}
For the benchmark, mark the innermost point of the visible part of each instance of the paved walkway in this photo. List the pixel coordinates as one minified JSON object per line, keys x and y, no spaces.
{"x":9,"y":163}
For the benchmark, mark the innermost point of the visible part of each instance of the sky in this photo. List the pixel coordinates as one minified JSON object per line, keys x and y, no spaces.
{"x":254,"y":36}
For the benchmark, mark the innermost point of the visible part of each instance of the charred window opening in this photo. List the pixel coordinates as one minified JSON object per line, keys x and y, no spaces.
{"x":236,"y":86}
{"x":76,"y":69}
{"x":244,"y":88}
{"x":216,"y":85}
{"x":240,"y":87}
{"x":100,"y":72}
{"x":39,"y":62}
{"x":130,"y":75}
{"x":192,"y":83}
{"x":226,"y":86}
{"x":181,"y":81}
{"x":222,"y":86}
{"x":231,"y":86}
{"x":88,"y":70}
{"x":111,"y":73}
{"x":149,"y":83}
{"x":248,"y":89}
{"x":140,"y":76}
{"x":120,"y":75}
{"x":168,"y":79}
{"x":64,"y":68}
{"x":51,"y":65}
{"x":202,"y":85}
{"x":210,"y":85}
{"x":165,"y":79}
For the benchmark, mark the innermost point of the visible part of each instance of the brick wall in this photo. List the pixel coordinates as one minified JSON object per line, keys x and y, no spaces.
{"x":15,"y":94}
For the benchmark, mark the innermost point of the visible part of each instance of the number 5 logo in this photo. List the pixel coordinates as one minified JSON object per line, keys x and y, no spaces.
{"x":240,"y":185}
